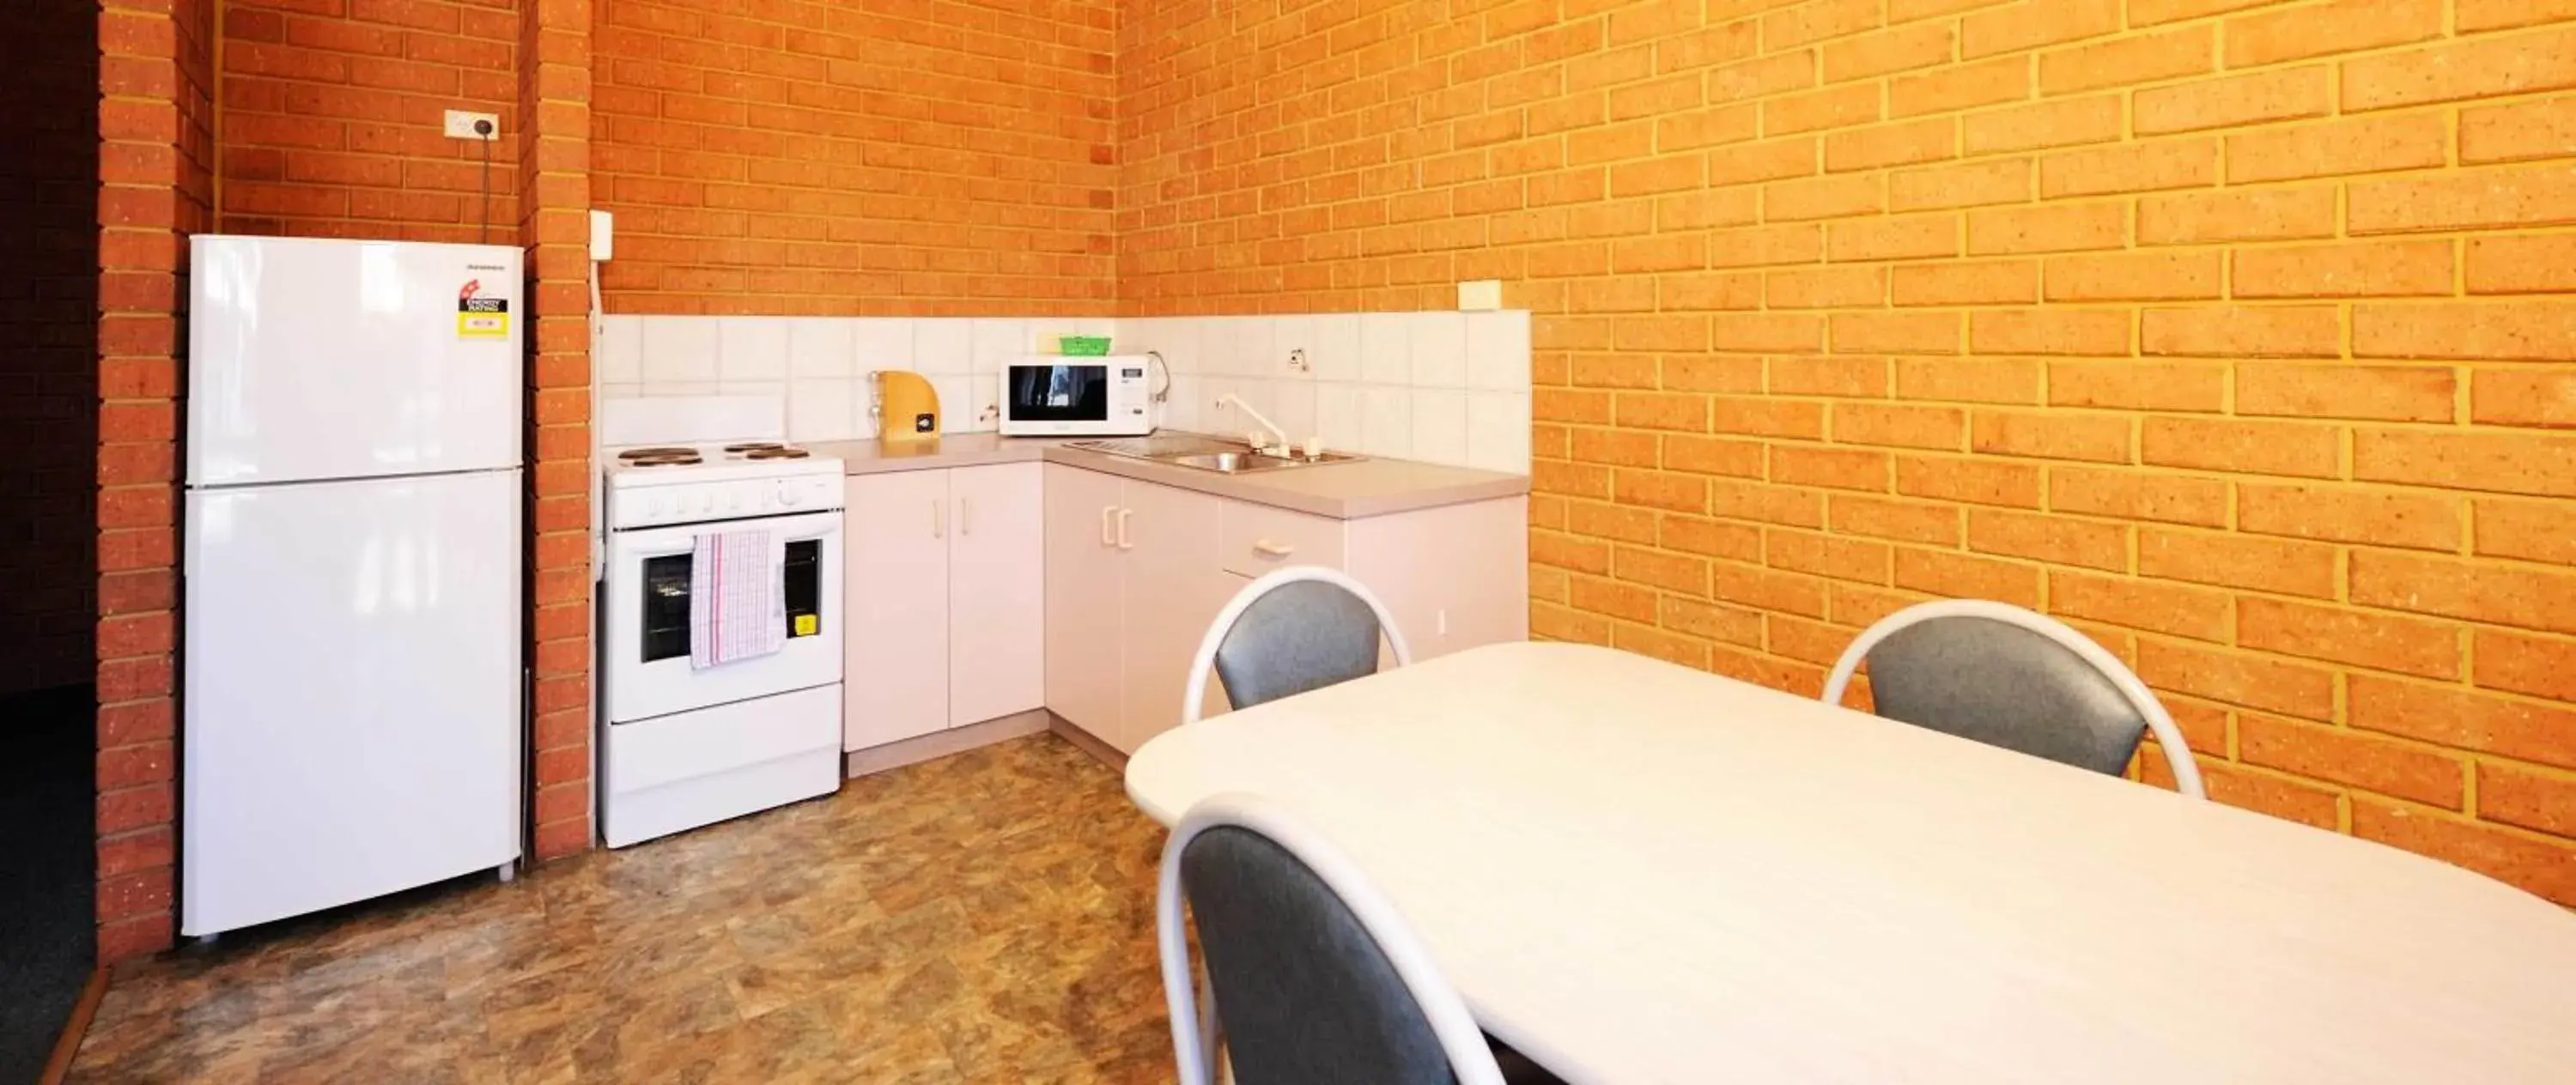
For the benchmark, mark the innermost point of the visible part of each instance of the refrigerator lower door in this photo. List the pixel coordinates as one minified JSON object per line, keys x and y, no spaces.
{"x":351,"y":692}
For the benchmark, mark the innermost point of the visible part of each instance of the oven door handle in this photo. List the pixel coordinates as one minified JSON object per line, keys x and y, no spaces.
{"x":684,"y":540}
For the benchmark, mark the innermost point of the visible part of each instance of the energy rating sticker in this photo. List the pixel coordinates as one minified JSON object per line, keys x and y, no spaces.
{"x":481,"y":317}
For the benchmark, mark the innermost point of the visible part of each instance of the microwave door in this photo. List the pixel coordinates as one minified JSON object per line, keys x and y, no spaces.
{"x":1058,"y":393}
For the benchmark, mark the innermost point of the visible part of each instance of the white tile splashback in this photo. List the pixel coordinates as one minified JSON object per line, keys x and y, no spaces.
{"x":1443,"y":387}
{"x":819,"y":368}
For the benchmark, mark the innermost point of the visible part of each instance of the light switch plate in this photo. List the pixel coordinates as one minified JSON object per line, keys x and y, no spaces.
{"x":460,"y":125}
{"x":1480,"y":296}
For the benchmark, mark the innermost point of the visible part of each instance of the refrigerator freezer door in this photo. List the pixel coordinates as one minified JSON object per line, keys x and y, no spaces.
{"x":324,"y":359}
{"x":351,"y":692}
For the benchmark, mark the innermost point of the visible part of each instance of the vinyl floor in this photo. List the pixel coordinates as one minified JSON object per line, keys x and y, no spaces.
{"x":983,"y":918}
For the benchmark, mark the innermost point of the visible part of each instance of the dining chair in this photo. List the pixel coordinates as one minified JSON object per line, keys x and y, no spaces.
{"x":1293,"y":630}
{"x":2007,"y":677}
{"x":1314,"y":975}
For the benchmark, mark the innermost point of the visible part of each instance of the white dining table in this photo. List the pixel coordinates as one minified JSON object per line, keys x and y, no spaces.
{"x":1637,"y":872}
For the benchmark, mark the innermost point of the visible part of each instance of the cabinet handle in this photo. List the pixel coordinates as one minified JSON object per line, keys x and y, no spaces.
{"x":938,"y":519}
{"x":965,"y":516}
{"x":1269,"y":549}
{"x":1105,"y":538}
{"x":1123,"y":514}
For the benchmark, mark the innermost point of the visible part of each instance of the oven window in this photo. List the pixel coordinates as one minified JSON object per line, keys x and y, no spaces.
{"x":1058,"y":393}
{"x":666,"y":607}
{"x":805,"y":588}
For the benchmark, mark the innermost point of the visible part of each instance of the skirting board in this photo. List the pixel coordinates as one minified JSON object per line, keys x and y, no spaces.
{"x":938,"y":744}
{"x":67,"y":1045}
{"x":1100,"y":751}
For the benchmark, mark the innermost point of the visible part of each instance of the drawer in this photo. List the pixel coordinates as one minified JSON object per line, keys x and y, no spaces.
{"x":1255,"y":539}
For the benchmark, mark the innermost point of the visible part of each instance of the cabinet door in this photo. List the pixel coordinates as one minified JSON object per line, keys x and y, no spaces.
{"x":1083,"y":600}
{"x":896,"y":684}
{"x":996,"y":591}
{"x":1456,"y":577}
{"x":1174,"y":587}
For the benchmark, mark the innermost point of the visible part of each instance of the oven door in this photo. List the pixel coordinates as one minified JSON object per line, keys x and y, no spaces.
{"x":646,"y":642}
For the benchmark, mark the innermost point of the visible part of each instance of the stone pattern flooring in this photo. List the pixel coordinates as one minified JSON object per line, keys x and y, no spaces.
{"x":983,"y":918}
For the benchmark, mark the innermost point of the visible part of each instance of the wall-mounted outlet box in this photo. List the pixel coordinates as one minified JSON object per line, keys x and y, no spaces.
{"x":1480,"y":296}
{"x":460,"y":125}
{"x":603,"y":236}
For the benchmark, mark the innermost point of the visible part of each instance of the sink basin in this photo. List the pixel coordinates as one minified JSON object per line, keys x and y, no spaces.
{"x":1207,"y":453}
{"x":1232,"y":462}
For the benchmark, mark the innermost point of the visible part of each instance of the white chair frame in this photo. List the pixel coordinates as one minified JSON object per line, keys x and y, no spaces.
{"x":2177,"y":753}
{"x":1194,"y":1037}
{"x":1205,"y":662}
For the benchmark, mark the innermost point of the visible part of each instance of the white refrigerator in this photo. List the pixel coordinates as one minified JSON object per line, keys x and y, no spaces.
{"x":350,"y":671}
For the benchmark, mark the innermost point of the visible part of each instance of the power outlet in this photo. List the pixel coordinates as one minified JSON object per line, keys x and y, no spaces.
{"x":460,"y":125}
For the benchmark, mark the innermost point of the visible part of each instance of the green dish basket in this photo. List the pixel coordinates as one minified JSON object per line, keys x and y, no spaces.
{"x":1083,"y":346}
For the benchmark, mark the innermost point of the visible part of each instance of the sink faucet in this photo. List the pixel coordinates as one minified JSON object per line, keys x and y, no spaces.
{"x":1281,"y":448}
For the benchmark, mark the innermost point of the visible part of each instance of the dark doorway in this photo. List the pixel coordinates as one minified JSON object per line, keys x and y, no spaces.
{"x":48,"y":519}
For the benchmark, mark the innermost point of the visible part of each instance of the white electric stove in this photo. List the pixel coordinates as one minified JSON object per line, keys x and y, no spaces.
{"x":685,"y":746}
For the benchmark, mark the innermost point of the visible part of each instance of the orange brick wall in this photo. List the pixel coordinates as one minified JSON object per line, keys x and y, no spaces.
{"x":334,"y":113}
{"x":554,"y":93}
{"x":2233,"y":331}
{"x":48,"y":344}
{"x":906,"y":156}
{"x":156,"y":187}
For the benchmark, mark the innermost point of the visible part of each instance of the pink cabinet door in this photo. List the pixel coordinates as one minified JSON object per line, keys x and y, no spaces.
{"x":996,"y":591}
{"x":1173,"y":588}
{"x":896,"y":548}
{"x":1083,"y":600}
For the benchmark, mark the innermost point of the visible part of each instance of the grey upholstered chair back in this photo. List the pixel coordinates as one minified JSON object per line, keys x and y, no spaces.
{"x":1303,"y":993}
{"x":1298,"y":636}
{"x":2006,"y":686}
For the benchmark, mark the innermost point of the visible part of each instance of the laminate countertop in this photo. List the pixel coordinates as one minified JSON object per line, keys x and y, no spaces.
{"x":1343,"y":491}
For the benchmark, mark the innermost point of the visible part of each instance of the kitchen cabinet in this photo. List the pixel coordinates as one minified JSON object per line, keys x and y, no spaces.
{"x":1085,"y":600}
{"x":1137,"y":570}
{"x":946,"y":576}
{"x":1171,"y":591}
{"x":996,"y":589}
{"x":1131,"y":585}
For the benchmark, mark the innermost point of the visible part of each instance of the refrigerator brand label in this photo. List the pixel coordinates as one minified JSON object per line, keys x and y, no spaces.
{"x":479,"y":317}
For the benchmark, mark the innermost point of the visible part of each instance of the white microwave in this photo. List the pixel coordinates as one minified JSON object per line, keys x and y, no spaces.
{"x":1077,"y":397}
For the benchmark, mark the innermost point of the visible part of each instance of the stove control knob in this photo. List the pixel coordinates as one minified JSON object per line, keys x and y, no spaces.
{"x":789,"y":496}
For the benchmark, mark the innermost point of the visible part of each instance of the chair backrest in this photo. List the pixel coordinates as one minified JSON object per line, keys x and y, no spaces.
{"x":1293,"y":630}
{"x":2004,"y":676}
{"x":1314,"y":975}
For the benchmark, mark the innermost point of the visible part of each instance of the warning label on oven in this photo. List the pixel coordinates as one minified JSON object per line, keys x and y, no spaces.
{"x":479,"y":317}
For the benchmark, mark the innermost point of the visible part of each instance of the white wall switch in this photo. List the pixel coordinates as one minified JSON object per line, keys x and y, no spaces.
{"x":603,"y":236}
{"x":1480,"y":296}
{"x":460,"y":125}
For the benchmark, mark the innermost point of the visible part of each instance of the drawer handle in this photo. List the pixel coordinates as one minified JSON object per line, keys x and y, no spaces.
{"x":1272,"y":550}
{"x":1123,"y":514}
{"x":1107,"y":511}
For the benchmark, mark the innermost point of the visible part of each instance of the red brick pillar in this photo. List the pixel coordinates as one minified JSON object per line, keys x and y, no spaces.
{"x":554,"y":156}
{"x":155,"y":189}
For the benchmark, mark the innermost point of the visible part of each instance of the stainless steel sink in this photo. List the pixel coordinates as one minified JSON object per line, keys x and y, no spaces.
{"x":1206,"y":453}
{"x":1232,"y":462}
